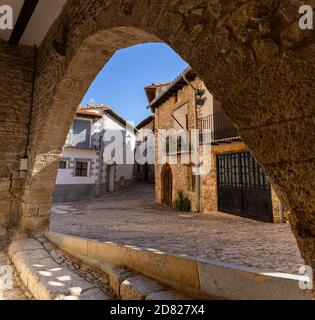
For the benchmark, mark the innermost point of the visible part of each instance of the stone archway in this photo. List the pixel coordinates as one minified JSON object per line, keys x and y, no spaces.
{"x":251,"y":55}
{"x":167,"y":185}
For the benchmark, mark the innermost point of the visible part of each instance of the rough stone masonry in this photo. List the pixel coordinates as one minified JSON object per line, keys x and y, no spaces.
{"x":251,"y":55}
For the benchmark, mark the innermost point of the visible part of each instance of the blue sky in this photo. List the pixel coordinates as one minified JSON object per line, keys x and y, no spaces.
{"x":120,"y":84}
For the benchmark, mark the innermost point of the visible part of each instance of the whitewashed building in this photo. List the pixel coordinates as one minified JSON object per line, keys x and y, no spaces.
{"x":90,"y":166}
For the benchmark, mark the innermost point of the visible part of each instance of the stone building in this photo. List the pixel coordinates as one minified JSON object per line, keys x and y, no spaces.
{"x":145,"y":172}
{"x":86,"y":169}
{"x":234,"y":183}
{"x":262,"y":74}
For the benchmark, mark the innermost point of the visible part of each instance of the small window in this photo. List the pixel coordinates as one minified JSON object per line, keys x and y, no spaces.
{"x":63,"y":165}
{"x":81,"y":169}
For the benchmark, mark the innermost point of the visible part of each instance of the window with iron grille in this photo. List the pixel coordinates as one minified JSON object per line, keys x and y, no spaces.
{"x":81,"y":169}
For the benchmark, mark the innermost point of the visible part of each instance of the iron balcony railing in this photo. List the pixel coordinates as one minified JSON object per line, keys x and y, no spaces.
{"x":217,"y":128}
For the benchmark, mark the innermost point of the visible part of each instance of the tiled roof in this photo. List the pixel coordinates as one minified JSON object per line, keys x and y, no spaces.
{"x":98,"y":110}
{"x":173,"y":87}
{"x":154,"y":89}
{"x":88,"y":112}
{"x":145,"y":121}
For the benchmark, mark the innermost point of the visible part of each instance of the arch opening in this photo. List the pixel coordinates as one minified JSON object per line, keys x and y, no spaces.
{"x":240,"y":74}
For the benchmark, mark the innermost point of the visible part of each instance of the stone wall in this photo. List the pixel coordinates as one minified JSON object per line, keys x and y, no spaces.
{"x":182,"y":173}
{"x":251,"y":55}
{"x":208,"y":189}
{"x":74,"y":192}
{"x":16,"y":78}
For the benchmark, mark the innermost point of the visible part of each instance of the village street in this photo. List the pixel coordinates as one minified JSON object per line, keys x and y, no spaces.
{"x":133,"y":218}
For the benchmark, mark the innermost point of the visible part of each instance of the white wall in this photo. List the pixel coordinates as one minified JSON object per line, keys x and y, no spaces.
{"x":106,"y":123}
{"x":122,"y":170}
{"x":65,"y":176}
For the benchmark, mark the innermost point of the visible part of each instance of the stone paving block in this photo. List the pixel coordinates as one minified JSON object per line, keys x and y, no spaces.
{"x":138,"y":288}
{"x":94,"y":294}
{"x":45,"y":289}
{"x":24,"y":245}
{"x":79,"y":282}
{"x":41,"y":239}
{"x":167,"y":295}
{"x":48,"y":280}
{"x":118,"y":274}
{"x":57,"y":255}
{"x":49,"y":246}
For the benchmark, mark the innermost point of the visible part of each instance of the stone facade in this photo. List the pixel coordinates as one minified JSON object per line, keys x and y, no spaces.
{"x":251,"y":55}
{"x":163,"y":120}
{"x":209,"y":183}
{"x":146,"y":172}
{"x":182,"y":165}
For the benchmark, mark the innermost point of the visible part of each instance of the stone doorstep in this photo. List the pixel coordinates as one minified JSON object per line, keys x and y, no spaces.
{"x":45,"y":278}
{"x":129,"y":285}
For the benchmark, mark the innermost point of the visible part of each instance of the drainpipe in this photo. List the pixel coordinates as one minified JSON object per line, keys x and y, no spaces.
{"x":196,"y":149}
{"x":101,"y":164}
{"x":24,"y":161}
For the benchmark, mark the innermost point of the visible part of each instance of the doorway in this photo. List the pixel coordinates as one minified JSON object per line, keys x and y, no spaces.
{"x":167,"y":185}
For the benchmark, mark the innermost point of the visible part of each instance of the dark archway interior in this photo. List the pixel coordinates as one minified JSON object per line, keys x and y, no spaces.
{"x":167,"y":185}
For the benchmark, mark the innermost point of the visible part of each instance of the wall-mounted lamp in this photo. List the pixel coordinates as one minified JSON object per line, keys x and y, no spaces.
{"x":200,"y":99}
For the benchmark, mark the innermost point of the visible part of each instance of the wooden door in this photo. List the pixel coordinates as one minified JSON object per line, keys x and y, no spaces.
{"x":167,"y":185}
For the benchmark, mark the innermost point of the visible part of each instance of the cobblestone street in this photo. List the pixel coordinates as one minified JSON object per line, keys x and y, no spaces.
{"x":133,"y":218}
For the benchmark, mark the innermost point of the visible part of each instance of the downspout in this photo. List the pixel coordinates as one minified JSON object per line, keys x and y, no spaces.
{"x":100,"y":172}
{"x":196,"y":149}
{"x":24,"y":160}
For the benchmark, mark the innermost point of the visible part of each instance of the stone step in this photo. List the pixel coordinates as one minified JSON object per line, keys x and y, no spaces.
{"x":129,"y":285}
{"x":46,"y":276}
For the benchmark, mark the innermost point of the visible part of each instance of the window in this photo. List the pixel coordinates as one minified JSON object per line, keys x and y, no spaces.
{"x":63,"y":164}
{"x":81,"y":133}
{"x":81,"y":169}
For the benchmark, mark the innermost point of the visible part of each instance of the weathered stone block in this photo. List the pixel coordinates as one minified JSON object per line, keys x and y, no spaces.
{"x":116,"y":277}
{"x":138,"y":288}
{"x":94,"y":294}
{"x":24,"y":245}
{"x":5,"y":185}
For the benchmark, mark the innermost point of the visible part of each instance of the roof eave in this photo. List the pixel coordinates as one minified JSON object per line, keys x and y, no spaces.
{"x":154,"y":104}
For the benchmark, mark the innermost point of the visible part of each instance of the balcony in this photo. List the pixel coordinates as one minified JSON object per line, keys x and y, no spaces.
{"x":217,"y":128}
